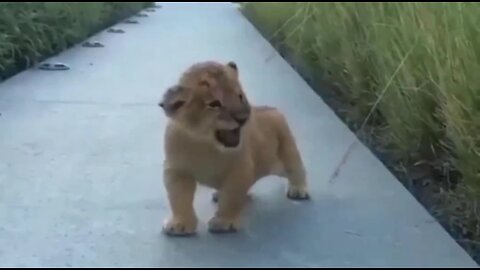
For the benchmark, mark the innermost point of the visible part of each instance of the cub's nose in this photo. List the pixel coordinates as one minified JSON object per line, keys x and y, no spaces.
{"x":240,"y":119}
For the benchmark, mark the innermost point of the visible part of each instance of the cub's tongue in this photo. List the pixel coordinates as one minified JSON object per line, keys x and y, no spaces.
{"x":229,"y":138}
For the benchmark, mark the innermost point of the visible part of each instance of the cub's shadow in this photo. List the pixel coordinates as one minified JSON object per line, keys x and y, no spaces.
{"x":271,"y":225}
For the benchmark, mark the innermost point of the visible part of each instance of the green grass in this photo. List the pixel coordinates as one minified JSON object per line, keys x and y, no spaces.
{"x":31,"y":31}
{"x":412,"y":71}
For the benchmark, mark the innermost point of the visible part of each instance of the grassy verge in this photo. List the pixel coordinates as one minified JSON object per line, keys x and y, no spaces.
{"x":404,"y":76}
{"x":30,"y":32}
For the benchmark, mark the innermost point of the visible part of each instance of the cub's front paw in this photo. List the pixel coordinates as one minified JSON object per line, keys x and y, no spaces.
{"x":178,"y":227}
{"x":219,"y":225}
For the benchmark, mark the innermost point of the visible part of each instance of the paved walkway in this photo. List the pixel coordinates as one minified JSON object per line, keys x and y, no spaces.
{"x":81,"y":156}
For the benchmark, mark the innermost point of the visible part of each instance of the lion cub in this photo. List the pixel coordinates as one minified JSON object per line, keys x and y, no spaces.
{"x":216,"y":139}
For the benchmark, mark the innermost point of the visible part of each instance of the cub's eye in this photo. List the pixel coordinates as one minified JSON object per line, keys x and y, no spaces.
{"x":215,"y":104}
{"x":240,"y":96}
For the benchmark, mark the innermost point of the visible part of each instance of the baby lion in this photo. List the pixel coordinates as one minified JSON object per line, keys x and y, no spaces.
{"x":215,"y":138}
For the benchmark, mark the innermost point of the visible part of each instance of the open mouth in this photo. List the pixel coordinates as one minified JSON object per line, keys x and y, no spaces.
{"x":229,"y":138}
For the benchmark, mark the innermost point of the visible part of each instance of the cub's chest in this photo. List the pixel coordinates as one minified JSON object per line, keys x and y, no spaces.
{"x":207,"y":168}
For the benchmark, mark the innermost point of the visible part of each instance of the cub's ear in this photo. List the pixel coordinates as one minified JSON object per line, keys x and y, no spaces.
{"x":233,"y":66}
{"x":172,"y":100}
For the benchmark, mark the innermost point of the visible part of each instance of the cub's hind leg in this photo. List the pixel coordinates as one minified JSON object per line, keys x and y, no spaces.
{"x":294,"y":169}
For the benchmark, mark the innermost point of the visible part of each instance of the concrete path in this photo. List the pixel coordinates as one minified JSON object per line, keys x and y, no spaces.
{"x":81,"y":156}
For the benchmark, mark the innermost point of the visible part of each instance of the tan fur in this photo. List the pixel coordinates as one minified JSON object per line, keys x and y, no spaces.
{"x":194,"y":155}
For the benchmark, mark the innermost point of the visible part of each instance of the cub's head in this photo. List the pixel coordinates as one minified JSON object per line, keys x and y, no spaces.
{"x":209,"y":102}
